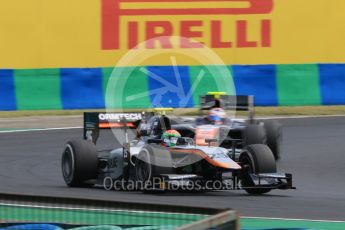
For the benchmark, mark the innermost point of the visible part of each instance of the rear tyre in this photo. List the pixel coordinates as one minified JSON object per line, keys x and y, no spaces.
{"x":254,"y":134}
{"x":79,"y":163}
{"x":257,"y":158}
{"x":274,"y":136}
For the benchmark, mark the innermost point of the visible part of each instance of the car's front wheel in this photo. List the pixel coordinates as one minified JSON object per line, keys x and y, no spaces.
{"x":143,"y":167}
{"x":256,"y":159}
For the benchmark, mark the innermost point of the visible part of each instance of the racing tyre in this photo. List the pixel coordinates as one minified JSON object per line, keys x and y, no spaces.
{"x":143,"y":166}
{"x":274,"y":137}
{"x":79,"y":163}
{"x":152,"y":161}
{"x":254,"y":134}
{"x":257,"y":158}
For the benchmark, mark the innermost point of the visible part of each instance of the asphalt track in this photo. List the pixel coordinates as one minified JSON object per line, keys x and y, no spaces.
{"x":313,"y":151}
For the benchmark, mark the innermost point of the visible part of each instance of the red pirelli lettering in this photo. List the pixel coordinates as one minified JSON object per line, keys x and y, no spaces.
{"x":216,"y":36}
{"x":132,"y":35}
{"x":188,"y":32}
{"x":110,"y":25}
{"x":242,"y":40}
{"x":266,"y":33}
{"x":163,"y":36}
{"x":112,"y":12}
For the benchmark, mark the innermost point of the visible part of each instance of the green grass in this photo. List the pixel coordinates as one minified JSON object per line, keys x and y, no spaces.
{"x":259,"y":111}
{"x":300,"y":110}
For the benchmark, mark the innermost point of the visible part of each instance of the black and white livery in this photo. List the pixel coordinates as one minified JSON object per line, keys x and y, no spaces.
{"x":144,"y":159}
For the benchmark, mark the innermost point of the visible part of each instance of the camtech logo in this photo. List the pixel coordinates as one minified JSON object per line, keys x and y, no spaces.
{"x":157,"y":30}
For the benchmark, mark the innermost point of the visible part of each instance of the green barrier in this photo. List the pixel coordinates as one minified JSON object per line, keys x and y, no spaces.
{"x":84,"y":212}
{"x":94,"y":217}
{"x":262,"y":223}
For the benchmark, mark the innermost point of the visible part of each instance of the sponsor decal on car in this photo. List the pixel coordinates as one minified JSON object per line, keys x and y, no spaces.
{"x":119,"y":116}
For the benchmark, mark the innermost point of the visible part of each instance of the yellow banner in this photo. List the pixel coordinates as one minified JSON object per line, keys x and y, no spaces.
{"x":97,"y":33}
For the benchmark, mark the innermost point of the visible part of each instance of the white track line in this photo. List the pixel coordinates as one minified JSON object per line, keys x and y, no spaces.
{"x":34,"y":130}
{"x":292,"y":219}
{"x":92,"y":209}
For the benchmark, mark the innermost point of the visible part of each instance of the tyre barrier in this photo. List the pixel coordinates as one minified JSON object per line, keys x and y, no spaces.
{"x":85,"y":88}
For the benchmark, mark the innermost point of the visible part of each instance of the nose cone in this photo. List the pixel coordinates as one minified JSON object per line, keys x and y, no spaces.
{"x":227,"y":163}
{"x":221,"y":158}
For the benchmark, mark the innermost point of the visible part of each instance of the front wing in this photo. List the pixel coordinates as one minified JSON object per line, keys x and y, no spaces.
{"x":196,"y":182}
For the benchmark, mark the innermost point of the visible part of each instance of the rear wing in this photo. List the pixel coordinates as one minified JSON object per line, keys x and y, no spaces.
{"x":228,"y":102}
{"x":96,"y":121}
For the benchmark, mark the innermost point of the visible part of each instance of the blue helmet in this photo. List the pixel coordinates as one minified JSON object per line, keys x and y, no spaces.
{"x":216,"y":114}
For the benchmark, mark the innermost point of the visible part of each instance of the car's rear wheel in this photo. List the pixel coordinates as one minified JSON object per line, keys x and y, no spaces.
{"x":274,"y":136}
{"x":254,"y":134}
{"x":256,"y":159}
{"x":79,"y":163}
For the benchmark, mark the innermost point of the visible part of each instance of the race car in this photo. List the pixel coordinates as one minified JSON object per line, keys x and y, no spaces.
{"x":153,"y":165}
{"x":215,"y":124}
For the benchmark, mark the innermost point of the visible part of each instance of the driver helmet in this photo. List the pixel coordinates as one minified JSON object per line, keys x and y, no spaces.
{"x":170,"y":138}
{"x":216,"y":115}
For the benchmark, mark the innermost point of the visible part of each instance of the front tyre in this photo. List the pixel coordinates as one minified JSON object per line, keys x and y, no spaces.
{"x":79,"y":163}
{"x":152,"y":161}
{"x":257,"y":158}
{"x":144,"y":170}
{"x":143,"y":167}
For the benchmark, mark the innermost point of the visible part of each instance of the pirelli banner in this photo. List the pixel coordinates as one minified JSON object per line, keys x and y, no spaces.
{"x":62,"y":54}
